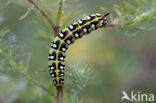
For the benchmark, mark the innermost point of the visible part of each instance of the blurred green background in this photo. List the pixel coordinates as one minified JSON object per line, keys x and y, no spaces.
{"x":121,"y":62}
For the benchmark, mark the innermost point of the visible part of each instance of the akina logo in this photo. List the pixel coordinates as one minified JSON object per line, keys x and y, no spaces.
{"x":137,"y":97}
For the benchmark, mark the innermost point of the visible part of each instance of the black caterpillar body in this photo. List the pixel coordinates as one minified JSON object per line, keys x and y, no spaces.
{"x":65,"y":38}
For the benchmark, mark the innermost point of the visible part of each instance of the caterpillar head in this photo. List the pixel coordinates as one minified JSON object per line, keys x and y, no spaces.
{"x":102,"y":19}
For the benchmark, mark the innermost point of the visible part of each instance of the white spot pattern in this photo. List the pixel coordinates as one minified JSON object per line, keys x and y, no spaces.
{"x":85,"y":30}
{"x":101,"y":22}
{"x":88,"y":17}
{"x":98,"y":14}
{"x":52,"y":75}
{"x":54,"y":45}
{"x":52,"y":68}
{"x":51,"y":57}
{"x":63,"y":49}
{"x":80,"y":21}
{"x":93,"y":26}
{"x":61,"y":58}
{"x":68,"y":41}
{"x":71,"y":27}
{"x":76,"y":35}
{"x":61,"y":67}
{"x":61,"y":35}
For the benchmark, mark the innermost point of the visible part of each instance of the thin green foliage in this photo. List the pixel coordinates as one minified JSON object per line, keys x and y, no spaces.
{"x":77,"y":76}
{"x":134,"y":18}
{"x":76,"y":100}
{"x":130,"y":19}
{"x":12,"y":56}
{"x":11,"y":53}
{"x":45,"y":33}
{"x":4,"y":3}
{"x":27,"y":12}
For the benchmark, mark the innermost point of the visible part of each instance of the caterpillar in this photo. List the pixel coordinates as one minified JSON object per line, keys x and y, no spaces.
{"x":66,"y":37}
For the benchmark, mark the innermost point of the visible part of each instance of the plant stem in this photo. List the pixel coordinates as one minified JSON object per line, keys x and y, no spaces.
{"x":110,"y":25}
{"x":60,"y":95}
{"x":41,"y":86}
{"x":45,"y":15}
{"x":59,"y":16}
{"x":56,"y":28}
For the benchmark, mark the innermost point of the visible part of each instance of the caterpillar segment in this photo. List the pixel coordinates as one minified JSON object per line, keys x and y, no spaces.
{"x":65,"y":38}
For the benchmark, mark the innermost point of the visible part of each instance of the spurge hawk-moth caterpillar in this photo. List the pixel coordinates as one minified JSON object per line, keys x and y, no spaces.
{"x":66,"y":37}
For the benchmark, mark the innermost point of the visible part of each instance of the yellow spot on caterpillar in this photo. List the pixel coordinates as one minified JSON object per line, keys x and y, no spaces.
{"x":50,"y":63}
{"x":93,"y":15}
{"x":63,"y":53}
{"x":55,"y":40}
{"x":65,"y":29}
{"x":61,"y":77}
{"x":73,"y":39}
{"x":97,"y":25}
{"x":51,"y":71}
{"x":51,"y":51}
{"x":62,"y":63}
{"x":84,"y":19}
{"x":75,"y":23}
{"x":90,"y":29}
{"x":81,"y":34}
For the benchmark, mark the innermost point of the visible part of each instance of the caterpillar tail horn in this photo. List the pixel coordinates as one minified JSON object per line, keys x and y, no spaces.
{"x":105,"y":15}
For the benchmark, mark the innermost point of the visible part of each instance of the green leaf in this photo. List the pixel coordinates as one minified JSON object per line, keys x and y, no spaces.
{"x":28,"y":59}
{"x":116,"y":8}
{"x":14,"y":65}
{"x":3,"y":32}
{"x":129,"y":7}
{"x":23,"y":67}
{"x":2,"y":71}
{"x":130,"y":19}
{"x":42,"y":35}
